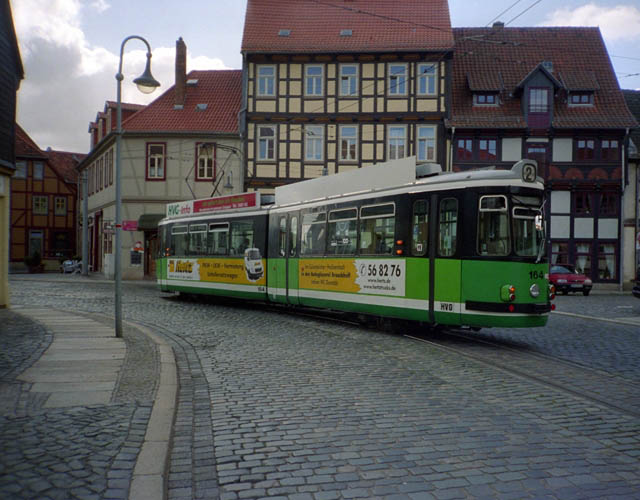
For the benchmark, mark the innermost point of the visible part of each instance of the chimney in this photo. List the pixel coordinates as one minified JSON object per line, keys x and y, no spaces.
{"x":180,"y":88}
{"x":498,"y":25}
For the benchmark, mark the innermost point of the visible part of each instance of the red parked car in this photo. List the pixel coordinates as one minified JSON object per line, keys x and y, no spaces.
{"x":566,"y":279}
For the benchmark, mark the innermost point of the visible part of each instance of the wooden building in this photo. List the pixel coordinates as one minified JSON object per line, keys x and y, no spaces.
{"x":335,"y":86}
{"x":549,"y":94}
{"x":43,"y":204}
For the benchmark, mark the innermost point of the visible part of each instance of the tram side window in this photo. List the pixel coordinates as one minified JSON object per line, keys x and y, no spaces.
{"x":179,"y":240}
{"x":293,"y":237}
{"x":420,"y":228}
{"x":493,"y":226}
{"x":377,"y":229}
{"x":282,"y":236}
{"x":448,"y":232}
{"x":343,"y":231}
{"x":313,"y":234}
{"x":197,"y":239}
{"x":218,"y":237}
{"x":241,"y":236}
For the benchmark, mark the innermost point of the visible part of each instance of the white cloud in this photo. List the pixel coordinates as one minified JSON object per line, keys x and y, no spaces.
{"x":621,"y":22}
{"x":67,"y":79}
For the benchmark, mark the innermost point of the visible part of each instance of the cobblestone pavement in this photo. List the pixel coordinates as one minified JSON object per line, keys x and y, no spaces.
{"x":84,"y":452}
{"x":274,"y":405}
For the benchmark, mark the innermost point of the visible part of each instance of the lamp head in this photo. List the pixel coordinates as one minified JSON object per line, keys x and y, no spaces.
{"x":146,"y":82}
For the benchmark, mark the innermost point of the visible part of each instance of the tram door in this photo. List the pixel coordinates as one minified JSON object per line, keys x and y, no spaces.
{"x":283,"y":272}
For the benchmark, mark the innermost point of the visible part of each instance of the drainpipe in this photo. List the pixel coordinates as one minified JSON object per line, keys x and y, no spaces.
{"x":623,"y":180}
{"x":451,"y":146}
{"x":85,"y":223}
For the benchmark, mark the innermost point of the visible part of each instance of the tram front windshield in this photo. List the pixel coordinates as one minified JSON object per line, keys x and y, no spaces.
{"x":510,"y":225}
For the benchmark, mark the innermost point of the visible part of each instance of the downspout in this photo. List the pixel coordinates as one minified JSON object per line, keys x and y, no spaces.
{"x":85,"y":223}
{"x":450,"y":166}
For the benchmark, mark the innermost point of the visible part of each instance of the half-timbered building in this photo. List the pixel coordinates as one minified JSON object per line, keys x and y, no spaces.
{"x":43,"y":204}
{"x":335,"y":86}
{"x":549,"y":94}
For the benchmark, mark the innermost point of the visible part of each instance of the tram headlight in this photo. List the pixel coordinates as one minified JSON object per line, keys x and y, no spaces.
{"x":534,"y":290}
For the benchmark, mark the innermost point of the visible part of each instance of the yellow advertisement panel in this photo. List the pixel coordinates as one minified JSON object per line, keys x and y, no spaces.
{"x":247,"y":271}
{"x":370,"y":276}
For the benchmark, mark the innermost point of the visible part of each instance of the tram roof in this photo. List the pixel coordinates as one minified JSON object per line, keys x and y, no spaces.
{"x":395,"y":174}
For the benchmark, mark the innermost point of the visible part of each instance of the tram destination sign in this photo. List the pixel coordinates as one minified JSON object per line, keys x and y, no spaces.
{"x":241,"y":201}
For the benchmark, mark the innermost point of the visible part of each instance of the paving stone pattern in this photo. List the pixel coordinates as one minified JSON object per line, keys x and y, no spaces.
{"x":273,"y":405}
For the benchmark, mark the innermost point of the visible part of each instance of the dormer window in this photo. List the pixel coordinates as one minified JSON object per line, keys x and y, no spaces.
{"x":581,"y":99}
{"x":485,"y":99}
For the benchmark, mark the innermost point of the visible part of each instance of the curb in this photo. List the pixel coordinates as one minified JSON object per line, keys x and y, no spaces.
{"x":150,"y":474}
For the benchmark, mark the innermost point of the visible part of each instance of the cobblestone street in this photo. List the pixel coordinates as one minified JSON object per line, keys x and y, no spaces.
{"x":279,"y":405}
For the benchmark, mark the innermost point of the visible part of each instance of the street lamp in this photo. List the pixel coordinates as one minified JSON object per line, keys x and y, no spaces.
{"x":146,"y":84}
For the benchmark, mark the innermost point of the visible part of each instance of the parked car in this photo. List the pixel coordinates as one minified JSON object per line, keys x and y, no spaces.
{"x":566,"y":279}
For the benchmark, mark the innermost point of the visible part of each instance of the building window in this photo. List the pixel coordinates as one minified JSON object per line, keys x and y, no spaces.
{"x":426,"y":143}
{"x":609,"y":150}
{"x":397,"y":142}
{"x":464,"y":149}
{"x":487,"y":149}
{"x":609,"y":203}
{"x":485,"y":99}
{"x":348,"y":79}
{"x":583,"y":257}
{"x":348,"y":142}
{"x":155,"y":161}
{"x":427,"y":76}
{"x":266,"y":142}
{"x":585,"y":149}
{"x":313,"y":80}
{"x":581,"y":99}
{"x":266,"y":81}
{"x":100,"y":174}
{"x":38,"y":170}
{"x":538,"y":100}
{"x":607,"y":261}
{"x":205,"y":160}
{"x":559,"y":252}
{"x":583,"y":205}
{"x":40,"y":205}
{"x":61,"y":205}
{"x":397,"y":79}
{"x":110,"y":167}
{"x":314,"y":142}
{"x":21,"y":170}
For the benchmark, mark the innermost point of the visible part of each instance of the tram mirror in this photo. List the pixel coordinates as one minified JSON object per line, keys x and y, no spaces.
{"x":538,"y":221}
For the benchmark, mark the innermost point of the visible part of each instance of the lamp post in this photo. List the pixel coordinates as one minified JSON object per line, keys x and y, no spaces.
{"x":146,"y":84}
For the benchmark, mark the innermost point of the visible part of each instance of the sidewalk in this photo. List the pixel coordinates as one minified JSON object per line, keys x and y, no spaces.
{"x":64,"y":373}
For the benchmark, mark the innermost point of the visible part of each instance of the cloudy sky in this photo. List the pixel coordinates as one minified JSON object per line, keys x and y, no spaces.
{"x":70,"y":48}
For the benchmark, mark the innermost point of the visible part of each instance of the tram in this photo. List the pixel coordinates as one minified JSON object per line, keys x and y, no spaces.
{"x":393,"y":240}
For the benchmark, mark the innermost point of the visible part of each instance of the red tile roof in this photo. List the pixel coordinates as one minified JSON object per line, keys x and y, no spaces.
{"x":65,"y":163}
{"x":219,"y":90}
{"x":579,"y":58}
{"x":376,"y":26}
{"x":25,"y":146}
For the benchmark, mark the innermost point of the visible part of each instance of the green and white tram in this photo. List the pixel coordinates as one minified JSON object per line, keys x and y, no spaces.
{"x":394,"y":240}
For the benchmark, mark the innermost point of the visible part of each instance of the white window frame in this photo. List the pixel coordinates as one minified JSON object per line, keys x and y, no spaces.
{"x":423,"y":142}
{"x":313,"y":80}
{"x":265,"y":83}
{"x":263,"y":155}
{"x":314,"y":143}
{"x":60,"y":205}
{"x":156,"y":161}
{"x":394,"y":142}
{"x":40,"y":205}
{"x":350,"y":81}
{"x":38,"y":170}
{"x":398,"y":88}
{"x":349,"y":140}
{"x":21,"y":170}
{"x":427,"y":74}
{"x":205,"y":161}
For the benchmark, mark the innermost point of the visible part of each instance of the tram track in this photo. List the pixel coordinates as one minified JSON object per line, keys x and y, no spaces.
{"x":567,"y":377}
